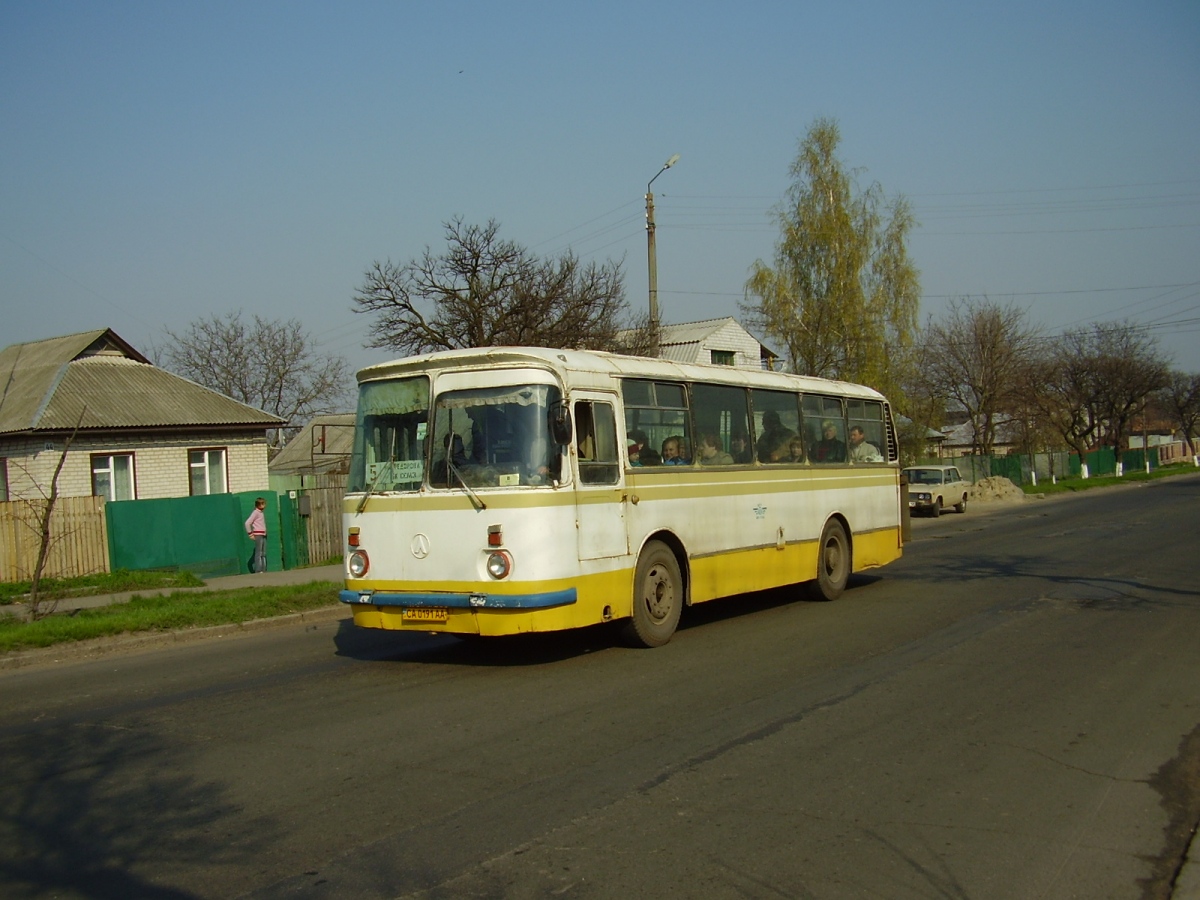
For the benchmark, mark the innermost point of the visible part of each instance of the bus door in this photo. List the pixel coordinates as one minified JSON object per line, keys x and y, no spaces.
{"x":599,"y":486}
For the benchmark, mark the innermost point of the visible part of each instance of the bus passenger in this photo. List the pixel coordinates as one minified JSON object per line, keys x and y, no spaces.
{"x":711,"y":453}
{"x":829,"y":449}
{"x":774,"y":433}
{"x":739,"y":448}
{"x":637,"y":441}
{"x":785,"y":449}
{"x":795,"y":449}
{"x":861,"y":450}
{"x":672,"y":451}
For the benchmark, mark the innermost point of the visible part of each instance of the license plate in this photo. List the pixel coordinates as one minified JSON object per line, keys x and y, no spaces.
{"x":425,"y":613}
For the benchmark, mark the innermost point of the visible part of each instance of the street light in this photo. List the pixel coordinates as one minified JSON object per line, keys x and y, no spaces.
{"x":651,"y":258}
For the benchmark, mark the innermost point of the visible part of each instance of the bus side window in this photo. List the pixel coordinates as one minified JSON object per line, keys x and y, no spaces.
{"x":777,"y":427}
{"x":721,"y":413}
{"x":867,"y":437}
{"x":596,"y":442}
{"x":825,"y":429}
{"x":656,"y":423}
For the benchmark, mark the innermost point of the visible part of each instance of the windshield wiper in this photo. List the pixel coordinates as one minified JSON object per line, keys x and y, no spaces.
{"x":475,"y":501}
{"x":362,"y":504}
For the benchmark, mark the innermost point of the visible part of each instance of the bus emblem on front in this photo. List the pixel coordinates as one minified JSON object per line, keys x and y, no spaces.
{"x":420,"y":546}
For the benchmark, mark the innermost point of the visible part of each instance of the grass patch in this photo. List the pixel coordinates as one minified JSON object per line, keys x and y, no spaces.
{"x":102,"y":583}
{"x":170,"y":613}
{"x":1071,"y":485}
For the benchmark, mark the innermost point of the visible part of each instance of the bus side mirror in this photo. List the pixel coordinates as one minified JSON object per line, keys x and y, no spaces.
{"x":560,"y":423}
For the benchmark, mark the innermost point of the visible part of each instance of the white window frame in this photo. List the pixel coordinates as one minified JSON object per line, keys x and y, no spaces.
{"x":205,"y":465}
{"x":105,"y":464}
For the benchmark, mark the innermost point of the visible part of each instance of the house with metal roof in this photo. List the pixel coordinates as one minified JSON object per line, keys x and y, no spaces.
{"x":959,"y":439}
{"x":129,"y":429}
{"x":718,"y":342}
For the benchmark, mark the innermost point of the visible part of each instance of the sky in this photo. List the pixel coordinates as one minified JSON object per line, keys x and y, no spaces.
{"x":166,"y":162}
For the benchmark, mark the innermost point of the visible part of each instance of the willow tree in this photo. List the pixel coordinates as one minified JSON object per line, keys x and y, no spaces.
{"x":842,"y":295}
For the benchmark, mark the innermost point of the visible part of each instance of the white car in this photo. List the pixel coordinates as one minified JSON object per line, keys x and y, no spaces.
{"x":932,"y":488}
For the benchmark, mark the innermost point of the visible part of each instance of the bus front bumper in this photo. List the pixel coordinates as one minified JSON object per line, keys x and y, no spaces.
{"x":463,"y":601}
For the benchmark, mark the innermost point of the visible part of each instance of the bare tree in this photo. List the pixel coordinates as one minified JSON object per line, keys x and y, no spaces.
{"x":977,"y":357}
{"x":486,"y":292}
{"x":1130,"y":369}
{"x":1063,"y":385}
{"x":272,"y":365}
{"x":1180,"y":399}
{"x":45,"y":532}
{"x":1093,"y":381}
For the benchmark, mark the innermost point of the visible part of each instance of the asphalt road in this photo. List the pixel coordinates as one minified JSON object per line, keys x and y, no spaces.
{"x":1012,"y":710}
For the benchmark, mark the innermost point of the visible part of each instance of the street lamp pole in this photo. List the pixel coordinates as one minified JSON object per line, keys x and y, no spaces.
{"x":651,"y":257}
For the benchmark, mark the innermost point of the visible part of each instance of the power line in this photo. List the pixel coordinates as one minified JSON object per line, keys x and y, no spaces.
{"x":1142,"y":287}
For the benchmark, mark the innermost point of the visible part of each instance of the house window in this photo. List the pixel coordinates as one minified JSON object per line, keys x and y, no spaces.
{"x":723,"y":357}
{"x":112,"y":476}
{"x":3,"y":480}
{"x":207,"y":470}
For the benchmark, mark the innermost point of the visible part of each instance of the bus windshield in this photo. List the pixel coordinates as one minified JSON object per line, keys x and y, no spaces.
{"x":495,"y":437}
{"x":389,"y":436}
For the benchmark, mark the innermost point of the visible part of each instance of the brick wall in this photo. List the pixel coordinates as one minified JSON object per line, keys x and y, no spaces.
{"x":160,"y":463}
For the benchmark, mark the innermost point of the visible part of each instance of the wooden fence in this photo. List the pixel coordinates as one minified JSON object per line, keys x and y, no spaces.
{"x":325,"y":539}
{"x":78,"y":538}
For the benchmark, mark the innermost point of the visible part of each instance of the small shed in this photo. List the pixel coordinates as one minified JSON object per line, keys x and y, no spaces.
{"x":322,"y":447}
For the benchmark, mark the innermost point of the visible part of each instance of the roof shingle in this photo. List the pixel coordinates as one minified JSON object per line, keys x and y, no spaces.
{"x":95,"y":380}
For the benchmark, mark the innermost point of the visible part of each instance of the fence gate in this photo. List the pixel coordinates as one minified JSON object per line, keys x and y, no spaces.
{"x":319,"y":508}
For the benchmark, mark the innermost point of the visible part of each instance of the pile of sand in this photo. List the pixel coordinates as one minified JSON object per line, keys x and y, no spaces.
{"x":996,"y":489}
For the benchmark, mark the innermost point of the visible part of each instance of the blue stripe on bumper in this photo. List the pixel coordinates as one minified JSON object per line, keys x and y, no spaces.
{"x":462,"y":601}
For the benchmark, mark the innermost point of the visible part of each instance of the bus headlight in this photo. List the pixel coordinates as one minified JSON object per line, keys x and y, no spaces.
{"x":499,"y":564}
{"x":358,"y":563}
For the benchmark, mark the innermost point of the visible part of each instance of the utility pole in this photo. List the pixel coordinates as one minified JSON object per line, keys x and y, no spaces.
{"x":651,"y":256}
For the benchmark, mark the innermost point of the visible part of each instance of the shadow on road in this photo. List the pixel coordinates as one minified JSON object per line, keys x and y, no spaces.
{"x":87,"y":809}
{"x":544,"y":649}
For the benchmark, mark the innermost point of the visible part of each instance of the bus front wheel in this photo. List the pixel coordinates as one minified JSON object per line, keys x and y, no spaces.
{"x":657,"y":597}
{"x":833,"y":563}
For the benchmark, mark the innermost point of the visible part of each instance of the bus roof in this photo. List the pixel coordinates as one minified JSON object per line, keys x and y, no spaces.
{"x":574,"y":366}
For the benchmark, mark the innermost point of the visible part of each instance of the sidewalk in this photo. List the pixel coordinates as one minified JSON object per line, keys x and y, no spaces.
{"x":332,"y":573}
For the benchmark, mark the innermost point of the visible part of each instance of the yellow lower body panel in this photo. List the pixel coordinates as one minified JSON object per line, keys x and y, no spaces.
{"x":609,"y":595}
{"x":599,"y":598}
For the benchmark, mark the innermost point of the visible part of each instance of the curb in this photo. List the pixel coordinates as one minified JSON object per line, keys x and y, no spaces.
{"x":1187,"y":882}
{"x":98,"y":647}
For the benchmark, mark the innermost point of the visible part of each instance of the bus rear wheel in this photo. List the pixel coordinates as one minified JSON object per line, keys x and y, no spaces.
{"x":833,"y":563}
{"x":657,"y":597}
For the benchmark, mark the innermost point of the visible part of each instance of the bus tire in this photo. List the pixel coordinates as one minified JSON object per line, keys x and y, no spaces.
{"x":833,"y":563}
{"x":657,"y":597}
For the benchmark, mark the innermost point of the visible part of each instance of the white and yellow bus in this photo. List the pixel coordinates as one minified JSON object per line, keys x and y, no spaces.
{"x":505,"y":490}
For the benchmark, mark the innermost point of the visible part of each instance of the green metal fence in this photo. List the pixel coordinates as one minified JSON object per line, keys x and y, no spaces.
{"x":205,"y":535}
{"x":1040,"y":468}
{"x":293,"y":530}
